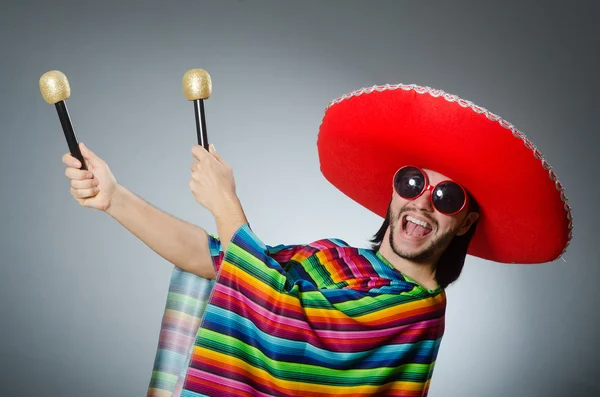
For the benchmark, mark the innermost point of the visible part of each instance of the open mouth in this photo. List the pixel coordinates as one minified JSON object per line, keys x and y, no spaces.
{"x":414,"y":227}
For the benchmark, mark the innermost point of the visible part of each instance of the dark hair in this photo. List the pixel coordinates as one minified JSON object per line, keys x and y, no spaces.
{"x":451,"y":262}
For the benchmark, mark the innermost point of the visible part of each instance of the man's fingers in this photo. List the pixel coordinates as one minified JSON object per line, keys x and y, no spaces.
{"x":84,"y":193}
{"x":71,"y":161}
{"x":196,"y":176}
{"x":73,"y":173}
{"x":84,"y":184}
{"x":195,"y":166}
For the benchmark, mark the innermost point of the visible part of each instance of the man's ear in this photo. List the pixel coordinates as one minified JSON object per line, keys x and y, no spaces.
{"x":467,"y":223}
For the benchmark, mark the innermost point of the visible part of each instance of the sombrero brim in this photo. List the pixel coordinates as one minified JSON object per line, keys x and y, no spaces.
{"x":367,"y":135}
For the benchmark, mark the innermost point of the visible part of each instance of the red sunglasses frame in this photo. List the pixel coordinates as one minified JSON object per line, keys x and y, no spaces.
{"x":431,"y":189}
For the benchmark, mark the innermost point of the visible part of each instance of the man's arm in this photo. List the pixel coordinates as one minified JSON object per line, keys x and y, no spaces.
{"x":179,"y":242}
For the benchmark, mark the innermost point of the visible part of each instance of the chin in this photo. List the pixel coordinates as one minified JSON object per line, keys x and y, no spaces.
{"x":419,"y":250}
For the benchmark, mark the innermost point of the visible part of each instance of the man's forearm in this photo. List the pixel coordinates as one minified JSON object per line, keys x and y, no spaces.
{"x":179,"y":242}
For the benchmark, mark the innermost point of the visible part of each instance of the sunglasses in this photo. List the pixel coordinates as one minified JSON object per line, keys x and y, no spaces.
{"x":447,"y":197}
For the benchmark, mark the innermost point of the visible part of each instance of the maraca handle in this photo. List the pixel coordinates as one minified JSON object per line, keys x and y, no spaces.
{"x":65,"y":121}
{"x":201,"y":123}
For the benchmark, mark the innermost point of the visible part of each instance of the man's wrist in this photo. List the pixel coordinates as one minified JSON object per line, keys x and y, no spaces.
{"x":229,"y":208}
{"x":229,"y":217}
{"x":116,"y":200}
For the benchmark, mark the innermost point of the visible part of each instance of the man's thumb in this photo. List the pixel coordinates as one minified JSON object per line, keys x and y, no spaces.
{"x":211,"y":149}
{"x":87,"y":153}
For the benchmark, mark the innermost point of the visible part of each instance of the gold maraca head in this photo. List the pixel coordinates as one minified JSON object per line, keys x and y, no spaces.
{"x":54,"y":87}
{"x":197,"y":84}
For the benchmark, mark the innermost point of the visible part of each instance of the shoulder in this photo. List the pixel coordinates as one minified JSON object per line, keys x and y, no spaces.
{"x":299,"y":252}
{"x":328,"y":243}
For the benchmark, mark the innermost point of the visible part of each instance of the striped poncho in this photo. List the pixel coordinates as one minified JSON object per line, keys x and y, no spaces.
{"x":323,"y":319}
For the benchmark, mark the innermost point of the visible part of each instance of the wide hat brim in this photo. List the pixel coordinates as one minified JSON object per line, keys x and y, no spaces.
{"x":365,"y":136}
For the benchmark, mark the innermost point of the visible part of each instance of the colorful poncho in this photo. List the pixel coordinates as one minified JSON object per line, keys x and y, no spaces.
{"x":323,"y":319}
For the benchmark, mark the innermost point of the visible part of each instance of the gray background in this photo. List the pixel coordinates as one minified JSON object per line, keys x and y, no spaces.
{"x":81,"y":299}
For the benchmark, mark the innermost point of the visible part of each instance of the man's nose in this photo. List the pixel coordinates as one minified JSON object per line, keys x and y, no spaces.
{"x":423,"y":202}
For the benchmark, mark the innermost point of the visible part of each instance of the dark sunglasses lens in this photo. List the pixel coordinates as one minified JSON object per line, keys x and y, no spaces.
{"x":448,"y":197}
{"x":409,"y":182}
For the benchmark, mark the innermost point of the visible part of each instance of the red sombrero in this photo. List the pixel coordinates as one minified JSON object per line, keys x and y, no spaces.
{"x":367,"y":135}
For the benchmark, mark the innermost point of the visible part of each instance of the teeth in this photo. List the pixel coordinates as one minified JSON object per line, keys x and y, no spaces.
{"x":417,"y":221}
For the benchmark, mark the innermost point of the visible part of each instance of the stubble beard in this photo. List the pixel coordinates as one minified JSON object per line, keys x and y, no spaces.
{"x":437,"y":244}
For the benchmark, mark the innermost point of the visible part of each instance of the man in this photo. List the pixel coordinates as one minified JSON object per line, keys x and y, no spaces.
{"x":325,"y":318}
